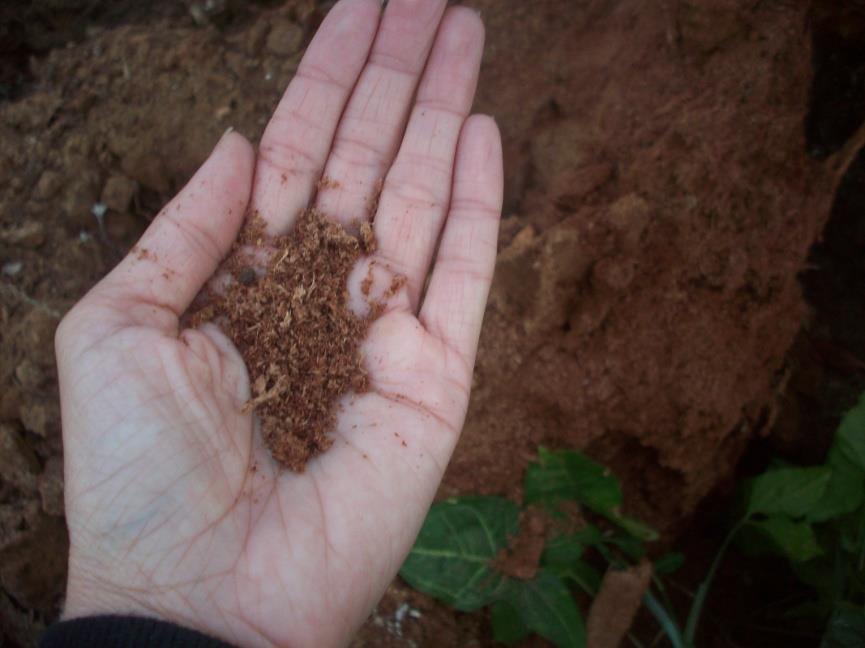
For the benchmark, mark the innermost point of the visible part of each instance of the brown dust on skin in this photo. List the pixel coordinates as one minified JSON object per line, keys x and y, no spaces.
{"x":295,"y":330}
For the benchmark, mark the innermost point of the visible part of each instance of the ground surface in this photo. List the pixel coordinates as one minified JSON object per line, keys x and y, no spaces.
{"x":660,"y":205}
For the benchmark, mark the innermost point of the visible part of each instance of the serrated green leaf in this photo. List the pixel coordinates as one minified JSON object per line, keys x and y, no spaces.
{"x":788,"y":491}
{"x":668,"y":564}
{"x":547,"y":608}
{"x":845,"y":490}
{"x":568,"y":475}
{"x":846,"y":628}
{"x":850,"y":436}
{"x":459,"y":539}
{"x":795,"y":540}
{"x":508,"y":626}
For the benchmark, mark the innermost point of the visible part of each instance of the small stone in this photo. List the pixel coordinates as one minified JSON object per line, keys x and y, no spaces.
{"x":29,"y":235}
{"x":99,"y":210}
{"x":285,"y":38}
{"x":118,"y":192}
{"x":12,"y":268}
{"x":40,"y":417}
{"x":47,"y":186}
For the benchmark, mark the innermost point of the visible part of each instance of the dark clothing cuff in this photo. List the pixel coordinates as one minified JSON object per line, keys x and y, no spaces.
{"x":124,"y":632}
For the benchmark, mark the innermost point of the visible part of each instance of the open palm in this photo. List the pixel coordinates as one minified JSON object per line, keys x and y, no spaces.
{"x":175,"y":508}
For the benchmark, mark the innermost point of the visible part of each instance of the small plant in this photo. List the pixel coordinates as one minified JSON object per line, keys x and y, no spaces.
{"x":812,"y":516}
{"x":454,"y":557}
{"x":815,"y":518}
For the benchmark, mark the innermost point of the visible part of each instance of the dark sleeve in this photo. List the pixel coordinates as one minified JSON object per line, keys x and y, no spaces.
{"x":124,"y":632}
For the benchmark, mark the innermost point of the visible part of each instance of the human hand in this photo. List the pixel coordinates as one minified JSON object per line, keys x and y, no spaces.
{"x":175,"y":509}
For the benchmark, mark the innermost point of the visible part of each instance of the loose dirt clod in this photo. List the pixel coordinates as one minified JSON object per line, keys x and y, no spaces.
{"x":295,"y":330}
{"x":616,"y":605}
{"x":522,"y":556}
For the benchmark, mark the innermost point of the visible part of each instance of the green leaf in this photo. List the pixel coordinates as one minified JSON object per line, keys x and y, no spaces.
{"x":547,"y":608}
{"x":751,"y":541}
{"x":850,"y":436}
{"x":508,"y":626}
{"x":459,"y":539}
{"x":562,"y":557}
{"x":568,"y":475}
{"x":629,"y":545}
{"x":586,"y":577}
{"x":846,"y":628}
{"x":561,"y":552}
{"x":845,"y":490}
{"x":589,"y":535}
{"x":668,"y":564}
{"x":788,"y":491}
{"x":795,"y":540}
{"x":635,"y":527}
{"x":819,"y":575}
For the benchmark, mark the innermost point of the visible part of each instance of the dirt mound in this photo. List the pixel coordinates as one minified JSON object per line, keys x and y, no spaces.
{"x":659,"y":207}
{"x":646,"y":293}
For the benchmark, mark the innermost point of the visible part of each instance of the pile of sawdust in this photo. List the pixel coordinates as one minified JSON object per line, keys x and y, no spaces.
{"x":295,"y":330}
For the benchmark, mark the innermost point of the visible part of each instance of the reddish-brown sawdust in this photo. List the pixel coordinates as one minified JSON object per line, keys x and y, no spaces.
{"x":295,"y":330}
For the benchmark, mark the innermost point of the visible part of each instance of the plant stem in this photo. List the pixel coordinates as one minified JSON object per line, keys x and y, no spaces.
{"x":635,"y":641}
{"x":665,"y":619}
{"x":703,"y":590}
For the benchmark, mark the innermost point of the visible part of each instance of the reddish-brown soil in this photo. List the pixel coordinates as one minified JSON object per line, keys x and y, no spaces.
{"x":660,"y":203}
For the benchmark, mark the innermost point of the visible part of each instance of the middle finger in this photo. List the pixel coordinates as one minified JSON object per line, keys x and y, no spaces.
{"x":372,"y":125}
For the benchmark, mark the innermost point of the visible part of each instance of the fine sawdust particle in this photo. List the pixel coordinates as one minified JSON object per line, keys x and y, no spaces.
{"x":326,"y":182}
{"x":296,"y":332}
{"x":366,"y":284}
